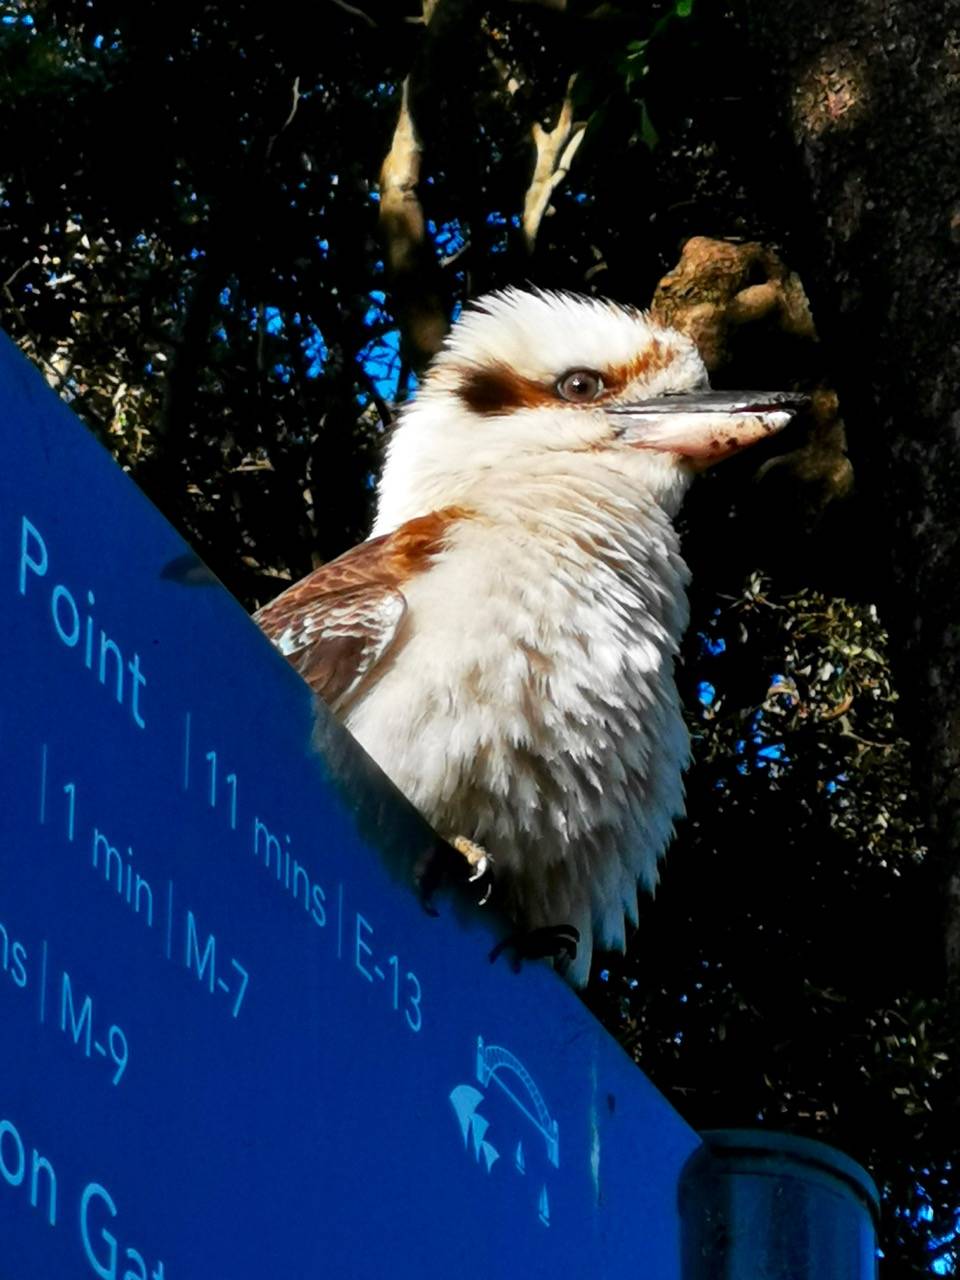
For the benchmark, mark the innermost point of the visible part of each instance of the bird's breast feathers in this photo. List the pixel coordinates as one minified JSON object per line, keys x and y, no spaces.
{"x":529,"y":702}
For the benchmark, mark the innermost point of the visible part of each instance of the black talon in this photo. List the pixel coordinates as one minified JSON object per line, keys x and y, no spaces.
{"x":556,"y":942}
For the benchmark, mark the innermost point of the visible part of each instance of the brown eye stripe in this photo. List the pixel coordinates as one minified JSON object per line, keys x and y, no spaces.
{"x":498,"y":389}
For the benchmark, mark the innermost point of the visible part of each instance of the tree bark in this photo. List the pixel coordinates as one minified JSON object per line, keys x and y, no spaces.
{"x":412,"y":267}
{"x":870,"y":98}
{"x":410,"y":262}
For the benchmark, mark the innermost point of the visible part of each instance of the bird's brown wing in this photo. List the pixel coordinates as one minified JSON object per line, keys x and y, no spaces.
{"x":336,"y":624}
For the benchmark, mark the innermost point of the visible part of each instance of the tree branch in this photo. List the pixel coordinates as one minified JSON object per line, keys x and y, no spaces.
{"x":555,"y":149}
{"x":411,"y":263}
{"x":408,"y":253}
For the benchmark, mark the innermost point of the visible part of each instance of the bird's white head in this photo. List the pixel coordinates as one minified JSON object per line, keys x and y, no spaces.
{"x":540,"y":384}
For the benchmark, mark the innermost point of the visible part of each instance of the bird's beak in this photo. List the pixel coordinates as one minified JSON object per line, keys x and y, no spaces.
{"x":704,"y":426}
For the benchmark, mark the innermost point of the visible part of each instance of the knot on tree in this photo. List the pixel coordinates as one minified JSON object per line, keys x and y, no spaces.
{"x":748,"y":313}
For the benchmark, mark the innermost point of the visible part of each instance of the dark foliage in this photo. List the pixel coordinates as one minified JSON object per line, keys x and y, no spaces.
{"x":189,"y":248}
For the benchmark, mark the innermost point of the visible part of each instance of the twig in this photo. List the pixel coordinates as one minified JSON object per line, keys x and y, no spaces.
{"x":294,"y":103}
{"x":450,"y":258}
{"x":10,"y":279}
{"x":383,"y":407}
{"x":354,"y":12}
{"x":840,"y":709}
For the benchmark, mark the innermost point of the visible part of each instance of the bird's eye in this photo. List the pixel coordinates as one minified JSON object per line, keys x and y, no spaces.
{"x":580,"y":386}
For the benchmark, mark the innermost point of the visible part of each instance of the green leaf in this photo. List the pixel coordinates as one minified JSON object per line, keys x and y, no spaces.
{"x":647,"y":131}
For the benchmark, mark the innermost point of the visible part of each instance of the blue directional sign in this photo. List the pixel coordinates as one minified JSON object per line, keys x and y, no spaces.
{"x":232,"y":1042}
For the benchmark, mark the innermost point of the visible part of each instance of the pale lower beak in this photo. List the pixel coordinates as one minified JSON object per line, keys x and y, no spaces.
{"x":704,"y":426}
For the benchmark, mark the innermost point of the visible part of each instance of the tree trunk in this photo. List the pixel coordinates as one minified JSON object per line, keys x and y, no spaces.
{"x":870,"y":95}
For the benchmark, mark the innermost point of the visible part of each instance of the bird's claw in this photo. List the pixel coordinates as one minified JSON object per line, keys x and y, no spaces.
{"x":480,"y":863}
{"x":556,"y":942}
{"x":439,"y":867}
{"x":481,"y":869}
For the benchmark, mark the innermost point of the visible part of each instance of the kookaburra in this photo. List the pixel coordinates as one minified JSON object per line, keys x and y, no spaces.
{"x":503,"y":644}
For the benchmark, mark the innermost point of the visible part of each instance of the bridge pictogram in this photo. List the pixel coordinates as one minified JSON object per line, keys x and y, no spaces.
{"x":493,"y":1061}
